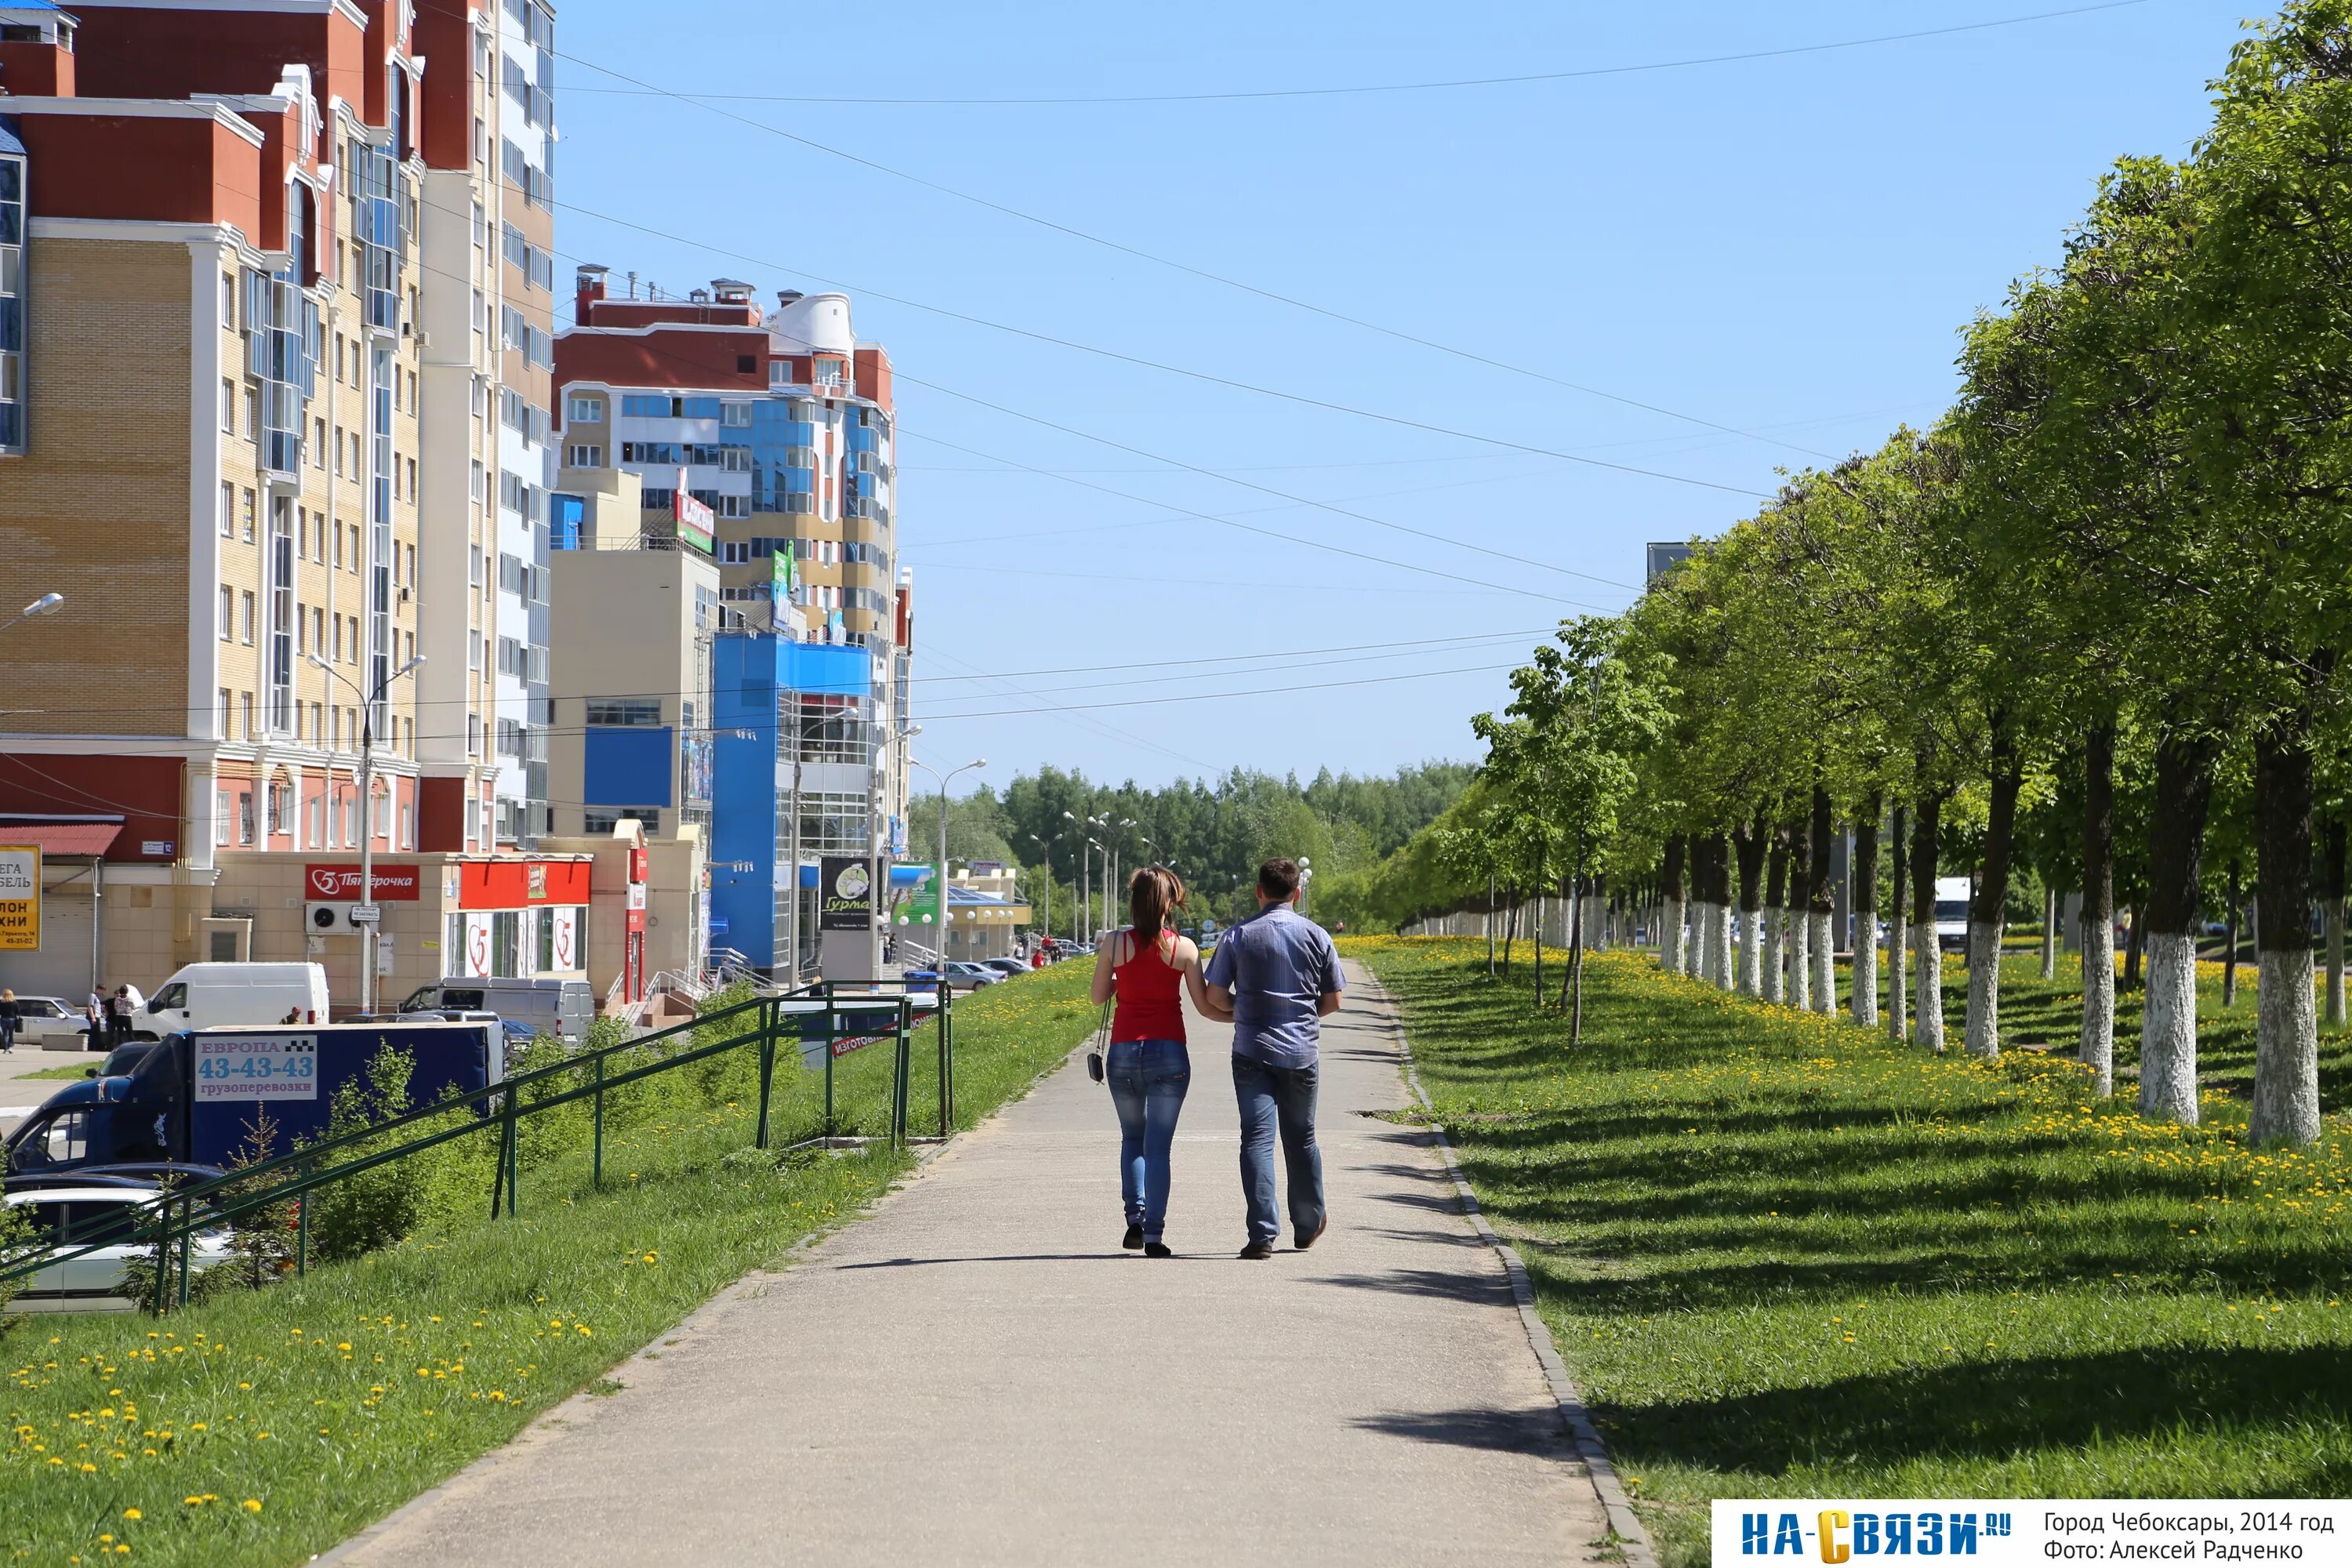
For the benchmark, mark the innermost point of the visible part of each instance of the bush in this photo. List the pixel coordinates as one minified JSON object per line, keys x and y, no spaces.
{"x":377,"y":1208}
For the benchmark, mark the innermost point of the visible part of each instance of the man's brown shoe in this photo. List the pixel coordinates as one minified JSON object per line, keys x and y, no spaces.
{"x":1308,"y":1238}
{"x":1257,"y":1249}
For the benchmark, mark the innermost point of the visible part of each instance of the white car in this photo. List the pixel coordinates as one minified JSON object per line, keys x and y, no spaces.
{"x":68,"y":1218}
{"x":971,"y":976}
{"x":51,"y":1023}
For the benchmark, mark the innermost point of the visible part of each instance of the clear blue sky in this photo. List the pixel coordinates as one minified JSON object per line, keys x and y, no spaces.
{"x":1782,"y":245}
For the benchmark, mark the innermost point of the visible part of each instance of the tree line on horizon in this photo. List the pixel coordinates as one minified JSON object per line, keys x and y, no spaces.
{"x":2092,"y":623}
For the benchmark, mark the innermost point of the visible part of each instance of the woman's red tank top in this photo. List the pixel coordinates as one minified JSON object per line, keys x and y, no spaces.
{"x":1148,"y":984}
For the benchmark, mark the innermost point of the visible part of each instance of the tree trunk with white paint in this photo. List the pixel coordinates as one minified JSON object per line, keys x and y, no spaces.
{"x":1750,"y":839}
{"x":2176,"y":842}
{"x":1864,"y":900}
{"x":1822,"y":905}
{"x":1776,"y":883}
{"x":1986,"y":911}
{"x":1674,"y":944}
{"x":1898,"y":930}
{"x":2286,"y":1028}
{"x":1926,"y":844}
{"x":2098,"y":1048}
{"x":1798,"y":928}
{"x":2050,"y":931}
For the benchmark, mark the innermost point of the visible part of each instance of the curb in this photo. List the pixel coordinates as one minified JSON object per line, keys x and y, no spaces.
{"x":1633,"y":1540}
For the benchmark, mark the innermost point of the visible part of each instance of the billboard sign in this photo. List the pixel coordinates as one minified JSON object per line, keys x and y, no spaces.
{"x":696,"y":522}
{"x":918,"y":906}
{"x":845,"y":892}
{"x":20,"y":899}
{"x":340,"y":885}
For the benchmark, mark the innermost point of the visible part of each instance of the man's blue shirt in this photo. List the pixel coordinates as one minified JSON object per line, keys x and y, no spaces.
{"x":1278,"y":967}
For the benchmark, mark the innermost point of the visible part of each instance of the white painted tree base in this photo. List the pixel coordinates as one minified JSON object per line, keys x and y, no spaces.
{"x":1751,"y":953}
{"x":1674,"y":952}
{"x":1824,"y":956}
{"x":1927,"y":1010}
{"x":2097,"y":1047}
{"x":1865,"y":968}
{"x":1982,"y":1033}
{"x":2168,"y":1035}
{"x":2286,"y":1051}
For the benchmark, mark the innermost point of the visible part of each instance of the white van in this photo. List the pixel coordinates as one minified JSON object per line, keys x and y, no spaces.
{"x":207,"y":995}
{"x":550,"y":1007}
{"x":1952,"y":894}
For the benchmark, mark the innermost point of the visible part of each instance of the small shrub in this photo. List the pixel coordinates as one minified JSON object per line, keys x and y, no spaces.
{"x":377,"y":1208}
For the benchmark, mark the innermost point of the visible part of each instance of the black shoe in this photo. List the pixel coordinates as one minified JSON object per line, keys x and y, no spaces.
{"x":1307,"y":1239}
{"x":1158,"y":1250}
{"x":1257,"y":1249}
{"x":1133,"y":1238}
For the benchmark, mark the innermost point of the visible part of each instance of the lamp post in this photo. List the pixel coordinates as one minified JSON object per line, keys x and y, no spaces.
{"x":1306,"y":880}
{"x":367,"y":811}
{"x":943,"y":778}
{"x":1046,"y":850}
{"x":47,"y":605}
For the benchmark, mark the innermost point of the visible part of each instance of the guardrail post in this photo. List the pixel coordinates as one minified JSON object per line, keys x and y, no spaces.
{"x":769,"y":1015}
{"x":302,"y":1225}
{"x":832,"y":1020}
{"x":598,"y":1162}
{"x":187,"y":1225}
{"x":946,"y":1067}
{"x":513,"y":1154}
{"x":902,"y":1070}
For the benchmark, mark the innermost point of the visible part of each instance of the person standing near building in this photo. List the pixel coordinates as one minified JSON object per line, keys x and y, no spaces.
{"x":125,"y":1013}
{"x":102,"y":1020}
{"x":1279,"y":974}
{"x":9,"y":1015}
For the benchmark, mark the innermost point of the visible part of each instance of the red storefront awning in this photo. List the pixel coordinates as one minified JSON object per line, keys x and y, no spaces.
{"x":61,"y":838}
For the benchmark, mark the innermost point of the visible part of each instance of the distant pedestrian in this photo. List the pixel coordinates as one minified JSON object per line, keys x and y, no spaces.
{"x":100,"y":1019}
{"x":1278,"y":975}
{"x":9,"y":1015}
{"x":1146,"y":967}
{"x":125,"y":1012}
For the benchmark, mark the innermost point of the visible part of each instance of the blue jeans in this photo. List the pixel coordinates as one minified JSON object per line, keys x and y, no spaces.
{"x":1148,"y":1079}
{"x":1284,"y":1098}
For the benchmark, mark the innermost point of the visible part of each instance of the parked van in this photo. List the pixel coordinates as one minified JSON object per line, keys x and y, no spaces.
{"x":210,"y":995}
{"x":550,"y":1006}
{"x":1952,"y":913}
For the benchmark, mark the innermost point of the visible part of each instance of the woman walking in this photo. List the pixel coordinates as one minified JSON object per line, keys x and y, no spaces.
{"x":10,"y":1014}
{"x":1146,"y":1065}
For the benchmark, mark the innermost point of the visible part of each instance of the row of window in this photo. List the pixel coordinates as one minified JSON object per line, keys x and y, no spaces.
{"x":687,"y":454}
{"x":323,"y":725}
{"x":326,"y":824}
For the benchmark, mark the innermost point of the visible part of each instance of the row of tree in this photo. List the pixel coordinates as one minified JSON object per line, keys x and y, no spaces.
{"x":2124,"y":554}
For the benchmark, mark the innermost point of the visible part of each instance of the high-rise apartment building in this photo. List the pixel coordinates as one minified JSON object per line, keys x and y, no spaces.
{"x":245,"y":368}
{"x":767,"y":440}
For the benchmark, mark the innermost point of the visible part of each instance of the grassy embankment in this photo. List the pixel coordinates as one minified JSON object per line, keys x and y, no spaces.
{"x":1784,"y":1256}
{"x":264,"y":1427}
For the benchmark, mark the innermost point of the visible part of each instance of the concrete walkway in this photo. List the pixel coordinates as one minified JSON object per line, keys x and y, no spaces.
{"x":976,"y":1373}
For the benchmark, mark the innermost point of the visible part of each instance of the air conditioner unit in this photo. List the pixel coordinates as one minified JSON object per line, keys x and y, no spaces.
{"x":328,"y":919}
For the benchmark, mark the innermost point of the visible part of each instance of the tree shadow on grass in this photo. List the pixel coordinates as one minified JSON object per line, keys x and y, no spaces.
{"x":1995,"y":1409}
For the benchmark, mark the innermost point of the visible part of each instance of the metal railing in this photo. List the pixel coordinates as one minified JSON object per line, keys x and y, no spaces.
{"x":294,"y":1176}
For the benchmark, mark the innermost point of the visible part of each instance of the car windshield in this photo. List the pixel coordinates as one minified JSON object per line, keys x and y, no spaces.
{"x":1951,"y":909}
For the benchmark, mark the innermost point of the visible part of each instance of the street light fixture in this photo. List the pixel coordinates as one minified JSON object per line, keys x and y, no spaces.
{"x":367,"y":809}
{"x":976,"y":763}
{"x":47,"y":605}
{"x":1306,"y":880}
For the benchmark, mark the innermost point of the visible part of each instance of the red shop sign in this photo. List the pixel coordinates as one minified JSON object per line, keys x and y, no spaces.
{"x":520,"y":884}
{"x":335,"y":883}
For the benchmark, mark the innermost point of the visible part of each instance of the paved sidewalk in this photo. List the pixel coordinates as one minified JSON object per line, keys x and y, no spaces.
{"x":978,"y":1375}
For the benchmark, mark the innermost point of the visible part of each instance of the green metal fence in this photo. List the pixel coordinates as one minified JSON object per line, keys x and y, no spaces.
{"x":761,"y":1024}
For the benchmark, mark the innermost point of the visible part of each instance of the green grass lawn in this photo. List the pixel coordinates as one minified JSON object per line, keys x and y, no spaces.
{"x":1783,"y":1256}
{"x":78,"y":1067}
{"x":265,"y":1426}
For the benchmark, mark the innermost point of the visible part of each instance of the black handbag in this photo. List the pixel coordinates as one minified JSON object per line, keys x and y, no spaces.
{"x":1098,"y":1045}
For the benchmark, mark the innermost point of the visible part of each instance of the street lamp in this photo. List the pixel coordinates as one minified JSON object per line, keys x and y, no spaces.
{"x":943,"y":778}
{"x":1306,"y":879}
{"x":1046,"y":848}
{"x":367,"y":811}
{"x":47,"y":605}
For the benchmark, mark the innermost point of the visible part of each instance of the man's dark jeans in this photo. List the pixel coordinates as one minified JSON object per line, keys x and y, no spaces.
{"x":1281,"y":1099}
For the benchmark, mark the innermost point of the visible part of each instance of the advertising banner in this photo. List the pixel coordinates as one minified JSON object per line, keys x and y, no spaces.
{"x":341,"y":884}
{"x":845,"y":892}
{"x":20,"y":899}
{"x":918,"y":906}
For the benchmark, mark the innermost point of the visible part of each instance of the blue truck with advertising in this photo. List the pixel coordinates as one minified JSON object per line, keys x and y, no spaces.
{"x":200,"y":1096}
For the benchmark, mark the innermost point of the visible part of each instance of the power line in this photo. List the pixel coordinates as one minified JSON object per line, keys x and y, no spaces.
{"x":1453,"y":84}
{"x":1561,"y":454}
{"x":1236,"y":658}
{"x":1224,"y":696}
{"x":1203,"y":273}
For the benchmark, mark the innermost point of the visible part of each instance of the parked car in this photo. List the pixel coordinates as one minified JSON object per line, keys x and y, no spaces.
{"x":972,"y":976}
{"x":213,"y":995}
{"x":922,"y":976}
{"x":129,"y":1174}
{"x":69,"y":1217}
{"x":122,"y":1058}
{"x":51,"y":1024}
{"x":550,"y":1007}
{"x":1007,"y":966}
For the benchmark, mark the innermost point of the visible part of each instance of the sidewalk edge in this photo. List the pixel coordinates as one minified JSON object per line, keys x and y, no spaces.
{"x":1633,"y":1540}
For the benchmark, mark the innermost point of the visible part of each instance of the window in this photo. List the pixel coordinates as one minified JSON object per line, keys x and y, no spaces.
{"x":228,"y":407}
{"x":253,"y":411}
{"x":735,"y":415}
{"x":225,"y":716}
{"x":319,"y":444}
{"x":227,"y":613}
{"x":228,"y":511}
{"x":245,"y":707}
{"x":584,"y":456}
{"x":247,"y":512}
{"x":246,"y":619}
{"x":591,"y":411}
{"x":633,"y":712}
{"x":734,"y":552}
{"x":474,"y":568}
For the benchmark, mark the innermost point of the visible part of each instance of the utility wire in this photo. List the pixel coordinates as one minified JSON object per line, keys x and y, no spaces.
{"x":1444,"y":86}
{"x":1203,"y":273}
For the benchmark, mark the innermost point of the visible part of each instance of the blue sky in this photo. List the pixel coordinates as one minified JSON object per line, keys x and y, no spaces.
{"x":1783,"y":247}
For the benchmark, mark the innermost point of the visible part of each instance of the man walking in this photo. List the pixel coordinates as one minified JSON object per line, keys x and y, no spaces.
{"x":1280,"y":975}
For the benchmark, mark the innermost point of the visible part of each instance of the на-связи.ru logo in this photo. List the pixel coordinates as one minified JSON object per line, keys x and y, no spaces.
{"x":1843,"y":1534}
